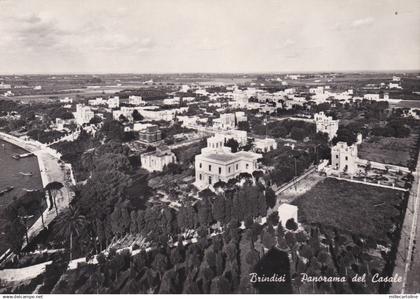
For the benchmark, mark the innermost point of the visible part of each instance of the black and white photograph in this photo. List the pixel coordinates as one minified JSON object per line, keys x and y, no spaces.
{"x":209,"y":147}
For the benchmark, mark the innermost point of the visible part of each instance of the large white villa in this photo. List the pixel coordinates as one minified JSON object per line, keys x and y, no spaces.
{"x":217,"y":163}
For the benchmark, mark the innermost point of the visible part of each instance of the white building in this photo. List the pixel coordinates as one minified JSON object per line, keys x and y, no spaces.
{"x":172,"y":101}
{"x":264,"y":145}
{"x":371,"y":96}
{"x":286,"y":212}
{"x":217,"y":163}
{"x":225,"y":121}
{"x":317,"y":90}
{"x":394,"y":85}
{"x":240,"y":136}
{"x":83,"y":114}
{"x":97,"y":102}
{"x":127,"y":112}
{"x":59,"y":123}
{"x":184,"y":88}
{"x":136,"y":101}
{"x":113,"y":102}
{"x":66,"y":100}
{"x":188,"y":121}
{"x":5,"y":86}
{"x":344,"y":158}
{"x":155,"y":113}
{"x":326,"y":124}
{"x":157,"y":160}
{"x":240,"y":116}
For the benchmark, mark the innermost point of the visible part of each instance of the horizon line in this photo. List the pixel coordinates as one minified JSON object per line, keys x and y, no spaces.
{"x":223,"y":72}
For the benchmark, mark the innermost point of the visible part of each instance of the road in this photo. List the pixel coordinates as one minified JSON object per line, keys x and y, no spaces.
{"x":407,"y":263}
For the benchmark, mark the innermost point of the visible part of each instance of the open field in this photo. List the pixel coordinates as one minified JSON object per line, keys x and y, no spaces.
{"x":389,"y":150}
{"x":355,"y":208}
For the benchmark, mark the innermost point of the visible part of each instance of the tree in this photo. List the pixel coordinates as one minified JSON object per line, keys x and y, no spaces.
{"x":70,"y":223}
{"x":345,"y":135}
{"x":53,"y":189}
{"x":273,"y":218}
{"x":243,"y":126}
{"x":95,"y":120}
{"x":268,"y":240}
{"x":137,"y":116}
{"x":14,"y":233}
{"x":291,"y":224}
{"x":270,"y":197}
{"x":233,"y":144}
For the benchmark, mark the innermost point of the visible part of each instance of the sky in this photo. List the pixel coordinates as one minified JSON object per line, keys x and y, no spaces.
{"x":176,"y":36}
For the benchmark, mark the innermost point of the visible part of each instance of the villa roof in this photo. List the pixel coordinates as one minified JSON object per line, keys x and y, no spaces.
{"x":230,"y":157}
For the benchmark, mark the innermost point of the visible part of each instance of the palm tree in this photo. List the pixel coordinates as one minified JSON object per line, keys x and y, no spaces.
{"x":53,"y":186}
{"x":70,"y":223}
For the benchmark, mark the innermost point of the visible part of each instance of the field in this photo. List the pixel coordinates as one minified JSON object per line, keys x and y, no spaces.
{"x":388,"y":150}
{"x":355,"y":208}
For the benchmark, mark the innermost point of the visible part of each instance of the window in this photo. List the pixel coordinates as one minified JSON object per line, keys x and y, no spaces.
{"x":201,"y":177}
{"x":247,"y":165}
{"x":236,"y":166}
{"x":201,"y":165}
{"x":209,"y":167}
{"x":220,"y":170}
{"x":209,"y":180}
{"x":347,"y":158}
{"x":336,"y":156}
{"x":229,"y":169}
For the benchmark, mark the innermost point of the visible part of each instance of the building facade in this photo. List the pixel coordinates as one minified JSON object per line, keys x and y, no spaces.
{"x":326,"y":124}
{"x":344,"y":157}
{"x":264,"y":145}
{"x":150,"y":134}
{"x":83,"y":114}
{"x":158,"y":159}
{"x":217,"y":163}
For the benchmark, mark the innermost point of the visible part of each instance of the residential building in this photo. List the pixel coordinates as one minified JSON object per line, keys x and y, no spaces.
{"x":113,"y":102}
{"x":217,"y":163}
{"x":240,"y":116}
{"x":136,"y":101}
{"x":66,"y":100}
{"x":371,"y":96}
{"x":344,"y":157}
{"x":151,"y":133}
{"x":240,"y":136}
{"x":83,"y":114}
{"x":5,"y":86}
{"x":172,"y":101}
{"x":155,"y":113}
{"x":127,"y":112}
{"x":225,"y":121}
{"x":97,"y":102}
{"x":59,"y":123}
{"x":158,"y":159}
{"x":326,"y":124}
{"x":264,"y":145}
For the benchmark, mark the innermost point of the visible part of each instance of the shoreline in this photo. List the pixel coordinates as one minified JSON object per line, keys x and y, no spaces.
{"x":51,"y":170}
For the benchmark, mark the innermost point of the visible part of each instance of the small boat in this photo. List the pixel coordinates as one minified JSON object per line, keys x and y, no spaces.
{"x":26,"y":173}
{"x":16,"y":157}
{"x":29,"y":190}
{"x":7,"y":189}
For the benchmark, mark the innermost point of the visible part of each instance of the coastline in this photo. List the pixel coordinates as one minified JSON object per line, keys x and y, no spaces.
{"x":21,"y":144}
{"x":51,"y":169}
